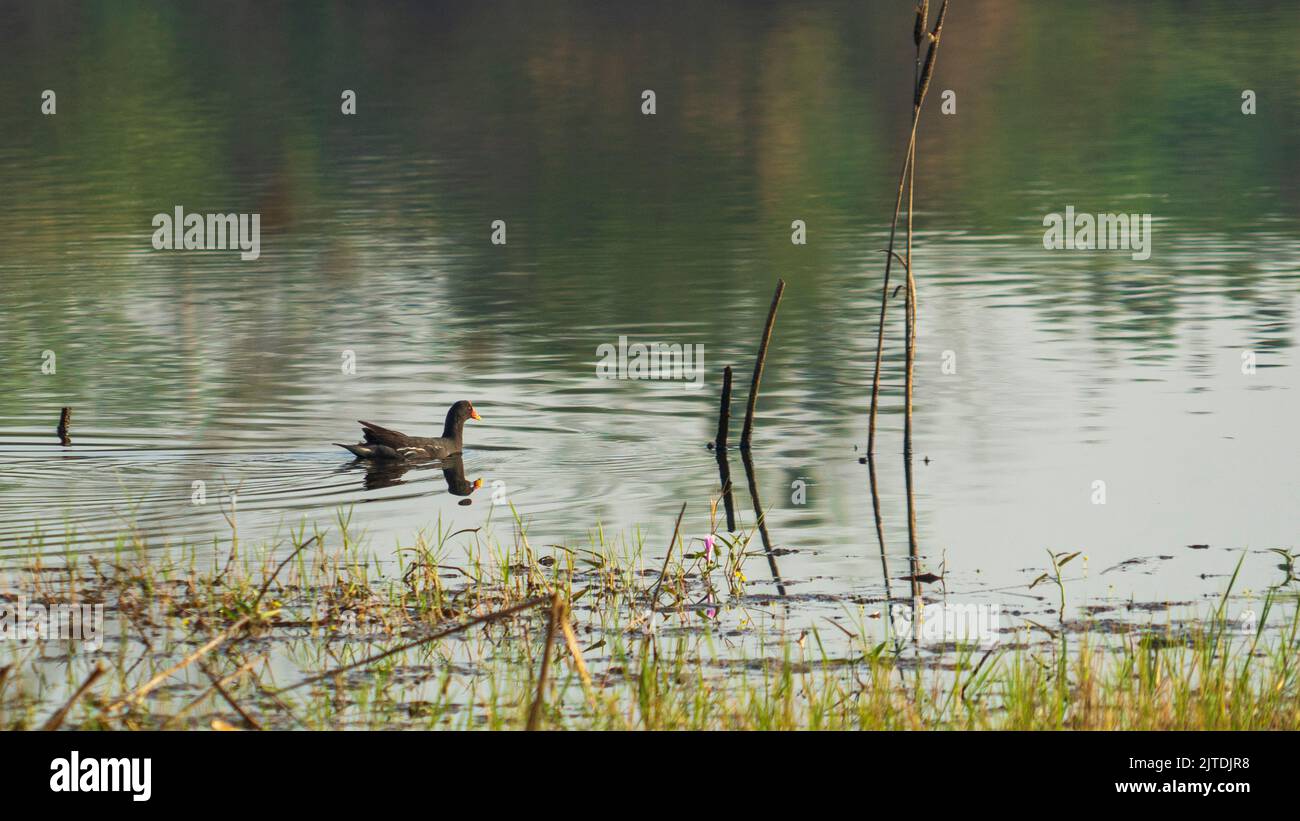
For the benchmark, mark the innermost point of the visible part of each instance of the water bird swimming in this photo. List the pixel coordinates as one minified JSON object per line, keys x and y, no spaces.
{"x":385,"y":443}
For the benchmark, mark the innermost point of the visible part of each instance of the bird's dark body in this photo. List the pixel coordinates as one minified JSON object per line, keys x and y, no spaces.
{"x":383,"y":443}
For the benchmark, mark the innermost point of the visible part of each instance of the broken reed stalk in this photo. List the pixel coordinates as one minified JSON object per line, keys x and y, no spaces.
{"x":918,"y":100}
{"x":571,"y":640}
{"x":65,"y":423}
{"x":654,"y":594}
{"x":758,"y":367}
{"x":56,"y":720}
{"x":490,"y":617}
{"x":728,"y":494}
{"x":535,"y":712}
{"x":720,"y":449}
{"x":724,"y":411}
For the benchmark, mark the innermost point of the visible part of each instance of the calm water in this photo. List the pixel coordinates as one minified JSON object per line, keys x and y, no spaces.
{"x":1071,"y":367}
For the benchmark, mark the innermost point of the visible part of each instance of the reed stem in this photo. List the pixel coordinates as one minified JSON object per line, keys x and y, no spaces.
{"x":677,"y":528}
{"x":922,"y":87}
{"x":909,"y":341}
{"x":724,"y":412}
{"x":758,"y":366}
{"x":65,"y":424}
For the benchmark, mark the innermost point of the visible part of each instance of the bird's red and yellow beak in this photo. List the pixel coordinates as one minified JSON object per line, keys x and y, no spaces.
{"x":473,"y":414}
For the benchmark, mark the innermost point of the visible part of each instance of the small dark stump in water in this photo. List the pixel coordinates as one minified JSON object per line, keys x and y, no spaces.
{"x":465,"y":502}
{"x":65,"y":422}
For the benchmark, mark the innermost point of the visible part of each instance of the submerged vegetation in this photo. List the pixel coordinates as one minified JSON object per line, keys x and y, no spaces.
{"x":464,"y":631}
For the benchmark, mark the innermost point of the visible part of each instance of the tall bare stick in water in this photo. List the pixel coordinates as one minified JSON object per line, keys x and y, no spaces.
{"x":758,"y":366}
{"x":65,"y":424}
{"x":720,"y":446}
{"x":918,"y":99}
{"x":918,"y":36}
{"x":906,"y":178}
{"x":724,"y":411}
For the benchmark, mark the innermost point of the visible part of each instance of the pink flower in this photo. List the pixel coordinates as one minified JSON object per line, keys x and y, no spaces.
{"x":708,"y":548}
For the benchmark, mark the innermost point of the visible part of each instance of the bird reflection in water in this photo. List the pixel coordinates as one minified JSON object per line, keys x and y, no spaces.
{"x":388,"y":473}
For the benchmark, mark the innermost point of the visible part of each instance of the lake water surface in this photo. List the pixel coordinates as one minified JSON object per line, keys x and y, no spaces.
{"x":1070,"y":367}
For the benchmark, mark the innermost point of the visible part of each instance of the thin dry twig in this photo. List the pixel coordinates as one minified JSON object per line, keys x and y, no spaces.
{"x":490,"y":617}
{"x":975,"y":672}
{"x":234,"y":705}
{"x":748,"y":430}
{"x":239,"y":671}
{"x":56,"y":720}
{"x":654,"y":594}
{"x":143,"y":690}
{"x":266,"y":585}
{"x":535,"y":712}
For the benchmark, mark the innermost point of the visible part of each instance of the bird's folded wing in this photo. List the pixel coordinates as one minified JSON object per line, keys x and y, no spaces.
{"x":378,"y":435}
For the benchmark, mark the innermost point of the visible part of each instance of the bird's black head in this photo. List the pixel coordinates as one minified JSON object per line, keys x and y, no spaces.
{"x":456,"y":418}
{"x":464,"y":410}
